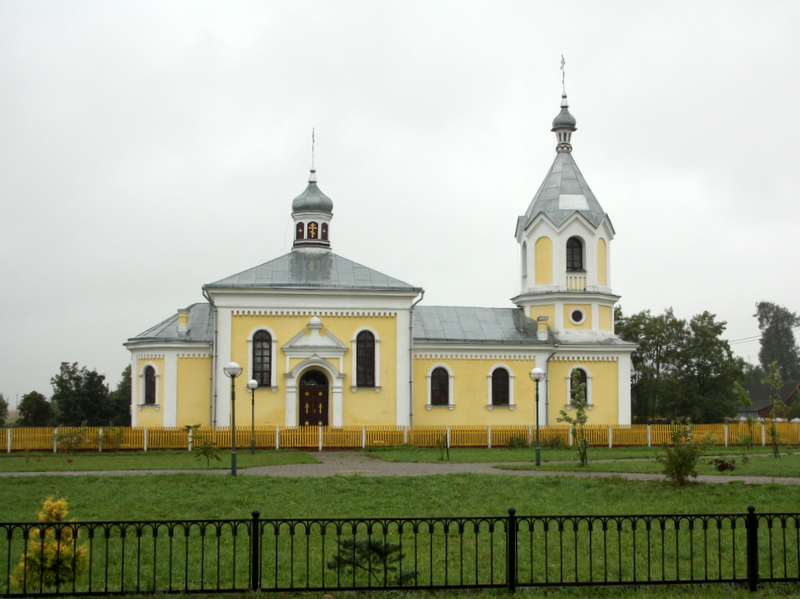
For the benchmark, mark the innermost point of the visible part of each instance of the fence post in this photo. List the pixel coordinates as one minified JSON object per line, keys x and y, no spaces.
{"x":489,"y":437}
{"x":569,"y":434}
{"x":363,"y":437}
{"x":763,"y":435}
{"x":726,"y":434}
{"x":530,"y":435}
{"x":100,"y":440}
{"x":649,"y":436}
{"x":8,"y":435}
{"x":144,"y":438}
{"x":405,"y":435}
{"x":319,"y":428}
{"x":277,"y":437}
{"x":191,"y":438}
{"x":610,"y":437}
{"x":511,"y":551}
{"x":255,"y":552}
{"x":752,"y":549}
{"x":448,"y":436}
{"x":55,"y":439}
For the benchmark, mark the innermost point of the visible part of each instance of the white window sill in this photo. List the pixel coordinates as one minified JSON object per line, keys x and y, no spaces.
{"x":451,"y":406}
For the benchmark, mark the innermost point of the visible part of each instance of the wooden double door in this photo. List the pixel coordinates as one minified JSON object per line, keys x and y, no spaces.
{"x":314,"y":399}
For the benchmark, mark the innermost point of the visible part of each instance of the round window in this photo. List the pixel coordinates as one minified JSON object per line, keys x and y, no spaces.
{"x":577,"y":316}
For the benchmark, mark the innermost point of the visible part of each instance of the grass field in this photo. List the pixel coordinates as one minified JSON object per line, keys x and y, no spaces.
{"x":201,"y":495}
{"x":407,"y":453}
{"x":759,"y":465}
{"x":151,"y":460}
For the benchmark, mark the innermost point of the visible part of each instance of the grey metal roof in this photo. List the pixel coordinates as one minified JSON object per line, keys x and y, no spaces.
{"x":312,"y":269}
{"x":564,"y":192}
{"x":201,"y":327}
{"x":456,"y":324}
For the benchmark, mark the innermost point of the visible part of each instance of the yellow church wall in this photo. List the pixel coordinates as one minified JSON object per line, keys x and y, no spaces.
{"x":363,"y":407}
{"x":606,"y":317}
{"x":471,"y":393}
{"x":587,"y":310}
{"x":149,"y":416}
{"x":602,"y":269}
{"x":548,"y":310}
{"x":193,"y":391}
{"x":543,"y":250}
{"x":603,"y":391}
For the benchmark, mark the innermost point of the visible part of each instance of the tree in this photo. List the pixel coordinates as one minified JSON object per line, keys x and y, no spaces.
{"x":578,"y":423}
{"x":659,"y":339}
{"x":682,"y":369}
{"x":120,"y":400}
{"x":34,"y":410}
{"x":80,"y":396}
{"x":777,"y":339}
{"x":3,"y":410}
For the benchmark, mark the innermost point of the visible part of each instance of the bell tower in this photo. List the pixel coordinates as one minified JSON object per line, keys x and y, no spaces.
{"x":564,"y":238}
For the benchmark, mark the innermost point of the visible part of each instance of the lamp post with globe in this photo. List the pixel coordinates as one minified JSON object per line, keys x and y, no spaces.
{"x":233,"y":370}
{"x":537,"y":375}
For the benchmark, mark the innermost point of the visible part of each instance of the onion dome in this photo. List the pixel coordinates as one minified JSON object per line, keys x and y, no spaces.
{"x":564,"y":120}
{"x":312,"y":212}
{"x":312,"y":199}
{"x":563,"y":126}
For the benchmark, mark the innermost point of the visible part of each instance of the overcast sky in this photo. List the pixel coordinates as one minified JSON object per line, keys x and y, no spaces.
{"x":147,"y":148}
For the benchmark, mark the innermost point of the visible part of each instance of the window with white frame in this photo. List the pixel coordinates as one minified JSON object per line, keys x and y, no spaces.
{"x":366,"y":360}
{"x":579,"y":384}
{"x":261,"y":352}
{"x":148,"y":393}
{"x":440,"y":387}
{"x":501,"y":387}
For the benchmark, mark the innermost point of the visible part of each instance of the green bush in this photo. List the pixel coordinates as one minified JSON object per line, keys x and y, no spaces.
{"x":50,"y":562}
{"x":682,"y":454}
{"x":517,"y":442}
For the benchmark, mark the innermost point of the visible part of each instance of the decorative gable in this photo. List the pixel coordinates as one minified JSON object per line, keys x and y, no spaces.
{"x":325,"y":346}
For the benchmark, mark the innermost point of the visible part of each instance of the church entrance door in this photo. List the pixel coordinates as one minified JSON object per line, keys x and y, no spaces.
{"x":313,"y":399}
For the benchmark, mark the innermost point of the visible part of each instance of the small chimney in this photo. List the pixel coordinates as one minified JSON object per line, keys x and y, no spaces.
{"x":542,"y":328}
{"x":183,"y":321}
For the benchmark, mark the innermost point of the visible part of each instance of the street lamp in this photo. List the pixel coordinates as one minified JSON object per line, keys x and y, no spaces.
{"x":233,"y":370}
{"x":252,"y":385}
{"x":537,"y":375}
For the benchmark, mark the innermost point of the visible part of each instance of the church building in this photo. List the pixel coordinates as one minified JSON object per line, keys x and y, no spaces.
{"x":333,"y":343}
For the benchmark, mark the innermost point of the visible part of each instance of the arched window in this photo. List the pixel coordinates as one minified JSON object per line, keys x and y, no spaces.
{"x":574,"y":254}
{"x":325,"y":231}
{"x":149,"y":385}
{"x":262,"y":358}
{"x":578,"y":386}
{"x":300,"y":231}
{"x":365,"y":359}
{"x":500,"y":387}
{"x":440,"y":387}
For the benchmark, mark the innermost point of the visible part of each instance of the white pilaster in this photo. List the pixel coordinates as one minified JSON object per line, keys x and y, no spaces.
{"x":170,"y":399}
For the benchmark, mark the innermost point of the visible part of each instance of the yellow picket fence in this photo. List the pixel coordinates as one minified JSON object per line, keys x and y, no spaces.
{"x":65,"y":439}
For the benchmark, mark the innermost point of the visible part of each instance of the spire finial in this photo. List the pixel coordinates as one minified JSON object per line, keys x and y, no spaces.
{"x":312,"y":148}
{"x":563,"y":72}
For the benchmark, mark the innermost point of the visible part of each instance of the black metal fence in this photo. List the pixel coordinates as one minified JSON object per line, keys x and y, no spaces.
{"x":74,"y":558}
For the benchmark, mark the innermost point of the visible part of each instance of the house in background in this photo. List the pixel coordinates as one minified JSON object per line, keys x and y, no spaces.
{"x":334,"y":343}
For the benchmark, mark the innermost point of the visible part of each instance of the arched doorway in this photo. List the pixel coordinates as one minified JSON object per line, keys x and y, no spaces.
{"x":313,"y":398}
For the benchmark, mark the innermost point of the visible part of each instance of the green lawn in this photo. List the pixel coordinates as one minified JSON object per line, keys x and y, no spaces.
{"x":199,"y":495}
{"x":407,"y":453}
{"x":758,"y":465}
{"x":151,"y":460}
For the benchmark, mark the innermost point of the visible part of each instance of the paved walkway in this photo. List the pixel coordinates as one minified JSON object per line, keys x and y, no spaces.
{"x":353,"y":463}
